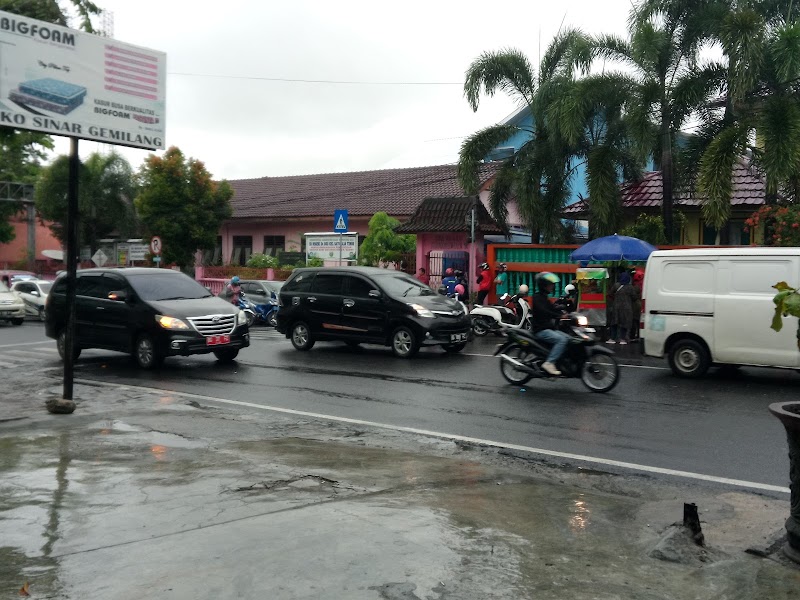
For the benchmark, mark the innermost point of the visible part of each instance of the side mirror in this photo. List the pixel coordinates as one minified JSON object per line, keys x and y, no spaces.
{"x":260,"y":292}
{"x":119,"y":296}
{"x":34,"y":292}
{"x":374,"y":294}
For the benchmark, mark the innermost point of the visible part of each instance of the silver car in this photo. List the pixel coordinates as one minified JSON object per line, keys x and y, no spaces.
{"x":34,"y":295}
{"x":12,"y":308}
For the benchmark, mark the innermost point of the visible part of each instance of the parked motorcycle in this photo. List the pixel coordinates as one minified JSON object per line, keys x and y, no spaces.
{"x":522,"y":355}
{"x":512,"y":312}
{"x":270,"y":311}
{"x":252,"y":311}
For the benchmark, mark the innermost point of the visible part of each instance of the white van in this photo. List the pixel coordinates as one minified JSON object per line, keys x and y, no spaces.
{"x":704,"y":306}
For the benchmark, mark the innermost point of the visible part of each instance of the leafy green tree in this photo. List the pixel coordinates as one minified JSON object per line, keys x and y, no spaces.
{"x":106,"y":188}
{"x":21,"y":152}
{"x":179,"y":202}
{"x":382,"y":245}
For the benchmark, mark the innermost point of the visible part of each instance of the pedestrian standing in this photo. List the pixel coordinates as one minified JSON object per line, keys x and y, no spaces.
{"x":423,"y":277}
{"x":484,"y":283}
{"x":501,"y":280}
{"x":625,"y":298}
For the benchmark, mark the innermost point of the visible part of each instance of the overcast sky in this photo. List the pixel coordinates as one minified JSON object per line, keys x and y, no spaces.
{"x":243,"y":127}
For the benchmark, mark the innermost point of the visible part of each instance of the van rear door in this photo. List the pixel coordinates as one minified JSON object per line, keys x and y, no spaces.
{"x":744,"y":311}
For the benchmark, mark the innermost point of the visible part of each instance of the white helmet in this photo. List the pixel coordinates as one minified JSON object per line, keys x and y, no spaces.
{"x":569,"y":289}
{"x":523,"y":289}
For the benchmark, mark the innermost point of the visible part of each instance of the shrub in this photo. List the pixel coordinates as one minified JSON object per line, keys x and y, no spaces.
{"x":262,"y":261}
{"x":782,"y":224}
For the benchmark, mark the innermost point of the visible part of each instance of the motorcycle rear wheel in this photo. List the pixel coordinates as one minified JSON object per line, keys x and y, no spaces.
{"x":251,"y":318}
{"x":600,"y":372}
{"x":480,"y":327}
{"x":272,"y":320}
{"x":510,"y":371}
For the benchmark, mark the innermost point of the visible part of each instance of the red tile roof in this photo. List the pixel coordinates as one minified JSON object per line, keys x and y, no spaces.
{"x":437,"y":215}
{"x":396,"y":191}
{"x":748,"y":189}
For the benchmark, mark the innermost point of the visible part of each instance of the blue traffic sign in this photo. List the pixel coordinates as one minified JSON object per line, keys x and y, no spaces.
{"x":340,"y":221}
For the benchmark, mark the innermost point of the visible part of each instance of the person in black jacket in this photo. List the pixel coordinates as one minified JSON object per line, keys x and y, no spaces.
{"x":542,"y":320}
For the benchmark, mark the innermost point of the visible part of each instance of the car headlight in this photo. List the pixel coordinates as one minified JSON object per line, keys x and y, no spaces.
{"x":171,"y":323}
{"x":241,"y":318}
{"x":422,"y":311}
{"x":582,"y":321}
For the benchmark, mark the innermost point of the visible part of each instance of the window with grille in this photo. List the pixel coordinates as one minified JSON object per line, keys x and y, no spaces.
{"x":274,"y":244}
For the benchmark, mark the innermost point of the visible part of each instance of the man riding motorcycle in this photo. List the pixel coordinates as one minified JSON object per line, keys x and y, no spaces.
{"x":542,"y":318}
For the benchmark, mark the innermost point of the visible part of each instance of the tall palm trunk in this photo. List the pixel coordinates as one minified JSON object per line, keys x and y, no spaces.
{"x":666,"y":173}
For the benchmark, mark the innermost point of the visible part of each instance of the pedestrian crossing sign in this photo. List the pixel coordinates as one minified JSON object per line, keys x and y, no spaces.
{"x":340,"y":221}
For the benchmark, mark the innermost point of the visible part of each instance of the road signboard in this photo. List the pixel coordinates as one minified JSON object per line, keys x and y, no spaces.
{"x":340,"y":219}
{"x":99,"y":258}
{"x":155,"y":245}
{"x":137,"y":252}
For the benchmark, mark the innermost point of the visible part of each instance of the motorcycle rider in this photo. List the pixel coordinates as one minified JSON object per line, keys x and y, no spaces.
{"x":234,"y":290}
{"x":542,"y":318}
{"x":484,"y":282}
{"x":450,"y":281}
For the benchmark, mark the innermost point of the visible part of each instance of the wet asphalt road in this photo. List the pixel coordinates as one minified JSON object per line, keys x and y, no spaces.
{"x":717,"y":426}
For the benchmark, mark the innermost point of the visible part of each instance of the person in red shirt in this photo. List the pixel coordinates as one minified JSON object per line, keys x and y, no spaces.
{"x":423,"y":277}
{"x":484,"y":283}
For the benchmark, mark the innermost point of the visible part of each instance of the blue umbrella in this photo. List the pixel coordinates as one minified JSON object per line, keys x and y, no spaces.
{"x":613,"y":248}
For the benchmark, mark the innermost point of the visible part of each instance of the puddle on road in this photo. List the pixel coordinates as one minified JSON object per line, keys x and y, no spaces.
{"x":140,"y":434}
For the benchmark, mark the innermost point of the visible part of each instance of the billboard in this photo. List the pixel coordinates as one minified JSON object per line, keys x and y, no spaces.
{"x":67,"y":82}
{"x":326,"y":246}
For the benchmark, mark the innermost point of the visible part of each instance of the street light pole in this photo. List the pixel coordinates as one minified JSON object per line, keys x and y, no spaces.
{"x":72,"y":266}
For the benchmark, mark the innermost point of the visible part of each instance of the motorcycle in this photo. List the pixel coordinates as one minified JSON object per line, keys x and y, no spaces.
{"x":522,"y":355}
{"x":513,"y":312}
{"x":253,"y":312}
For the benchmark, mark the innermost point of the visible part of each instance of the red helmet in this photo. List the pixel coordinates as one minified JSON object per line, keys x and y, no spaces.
{"x":460,"y":289}
{"x":449,"y":271}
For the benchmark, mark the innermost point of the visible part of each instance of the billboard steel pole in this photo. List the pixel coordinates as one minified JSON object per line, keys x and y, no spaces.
{"x":72,"y":266}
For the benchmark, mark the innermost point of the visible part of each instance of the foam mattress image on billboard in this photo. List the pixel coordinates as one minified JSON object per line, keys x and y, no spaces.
{"x":49,"y":94}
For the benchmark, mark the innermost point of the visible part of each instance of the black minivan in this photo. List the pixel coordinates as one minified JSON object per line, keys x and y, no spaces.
{"x":149,"y":313}
{"x":369,"y":305}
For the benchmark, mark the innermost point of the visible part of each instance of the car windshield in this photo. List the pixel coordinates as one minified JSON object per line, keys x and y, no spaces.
{"x":400,"y":285}
{"x":45,"y":287}
{"x":170,"y":286}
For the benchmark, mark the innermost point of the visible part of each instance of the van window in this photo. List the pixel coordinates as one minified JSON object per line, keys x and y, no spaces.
{"x":300,"y":283}
{"x":688,"y":276}
{"x":758,"y":276}
{"x":358,"y":288}
{"x":327,"y":283}
{"x":90,"y":286}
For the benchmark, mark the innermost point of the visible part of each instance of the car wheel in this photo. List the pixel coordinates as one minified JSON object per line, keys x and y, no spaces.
{"x":145,"y":352}
{"x":227,"y":355}
{"x":689,"y":358}
{"x":42,"y":314}
{"x":301,"y":337}
{"x":404,"y":342}
{"x":61,"y":344}
{"x":454,"y":348}
{"x":18,"y":321}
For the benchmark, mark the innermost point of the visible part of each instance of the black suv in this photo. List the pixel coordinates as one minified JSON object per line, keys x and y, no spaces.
{"x":369,"y":305}
{"x":149,"y":313}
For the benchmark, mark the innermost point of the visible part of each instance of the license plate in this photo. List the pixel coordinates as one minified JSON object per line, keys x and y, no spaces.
{"x":458,"y":337}
{"x":6,"y":312}
{"x":216,"y":340}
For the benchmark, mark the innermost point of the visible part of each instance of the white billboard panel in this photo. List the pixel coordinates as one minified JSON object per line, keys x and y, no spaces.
{"x":326,"y":246}
{"x":67,"y":82}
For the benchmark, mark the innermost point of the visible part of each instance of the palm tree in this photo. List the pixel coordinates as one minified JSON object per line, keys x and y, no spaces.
{"x":576,"y":122}
{"x":537,"y":175}
{"x":758,"y":112}
{"x":105,"y":197}
{"x":668,"y":82}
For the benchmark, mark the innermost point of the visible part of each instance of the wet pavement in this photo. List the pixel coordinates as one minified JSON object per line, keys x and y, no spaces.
{"x":141,"y":494}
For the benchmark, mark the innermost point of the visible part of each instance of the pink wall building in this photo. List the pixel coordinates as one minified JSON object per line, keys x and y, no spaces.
{"x":271,"y":214}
